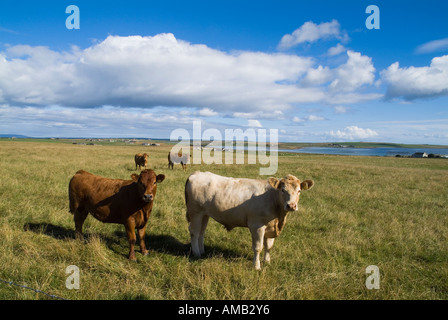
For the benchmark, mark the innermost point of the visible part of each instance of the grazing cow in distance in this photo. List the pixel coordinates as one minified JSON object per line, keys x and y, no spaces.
{"x":176,"y":158}
{"x":127,"y":202}
{"x":260,"y":205}
{"x":141,"y":160}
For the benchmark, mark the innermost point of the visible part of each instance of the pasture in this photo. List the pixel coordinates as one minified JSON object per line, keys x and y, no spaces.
{"x":388,"y":212}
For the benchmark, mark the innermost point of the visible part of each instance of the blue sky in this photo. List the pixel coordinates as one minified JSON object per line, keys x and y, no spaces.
{"x":310,"y":69}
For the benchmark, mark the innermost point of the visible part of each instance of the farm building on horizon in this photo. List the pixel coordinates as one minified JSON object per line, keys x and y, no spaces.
{"x":420,"y":155}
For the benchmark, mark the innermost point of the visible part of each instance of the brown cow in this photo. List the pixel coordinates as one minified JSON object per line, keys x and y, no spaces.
{"x":127,"y":202}
{"x":141,"y":160}
{"x":173,"y":158}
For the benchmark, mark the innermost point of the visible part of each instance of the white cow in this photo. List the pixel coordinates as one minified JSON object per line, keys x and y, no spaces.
{"x":260,"y":205}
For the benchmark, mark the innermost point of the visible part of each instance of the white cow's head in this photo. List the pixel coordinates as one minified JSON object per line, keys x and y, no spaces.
{"x":289,"y":189}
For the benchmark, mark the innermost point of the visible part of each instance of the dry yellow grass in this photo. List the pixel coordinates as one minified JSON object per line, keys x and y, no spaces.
{"x":362,"y":211}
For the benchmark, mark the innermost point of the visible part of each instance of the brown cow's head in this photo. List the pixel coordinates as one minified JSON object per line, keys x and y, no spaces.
{"x":147,"y":184}
{"x":289,"y":188}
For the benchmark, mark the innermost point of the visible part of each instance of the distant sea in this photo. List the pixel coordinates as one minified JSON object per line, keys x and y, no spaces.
{"x":380,"y":152}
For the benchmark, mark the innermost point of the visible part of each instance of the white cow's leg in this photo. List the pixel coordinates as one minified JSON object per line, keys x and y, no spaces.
{"x":268,"y":243}
{"x":195,"y":230}
{"x":257,"y":244}
{"x":201,"y":234}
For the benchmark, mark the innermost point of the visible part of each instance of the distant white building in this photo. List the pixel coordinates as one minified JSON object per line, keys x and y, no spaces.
{"x":420,"y":155}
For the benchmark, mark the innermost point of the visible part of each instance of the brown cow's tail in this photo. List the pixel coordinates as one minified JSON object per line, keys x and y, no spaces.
{"x":71,"y":198}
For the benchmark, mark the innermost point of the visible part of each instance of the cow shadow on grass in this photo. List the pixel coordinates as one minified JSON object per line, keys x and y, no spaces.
{"x":57,"y":232}
{"x":118,"y":243}
{"x":62,"y":233}
{"x":163,"y":243}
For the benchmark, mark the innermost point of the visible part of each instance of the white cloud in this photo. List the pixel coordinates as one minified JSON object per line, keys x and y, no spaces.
{"x":352,"y":97}
{"x":315,"y":118}
{"x":152,"y":71}
{"x":207,"y":112}
{"x":254,"y":123}
{"x":311,"y":117}
{"x":311,"y":32}
{"x":433,"y":46}
{"x":298,"y":120}
{"x":341,"y":109}
{"x":338,"y":49}
{"x":352,"y":133}
{"x":107,"y":121}
{"x":160,"y":70}
{"x":357,"y":71}
{"x":348,"y":77}
{"x":320,"y":75}
{"x":417,"y":82}
{"x":274,"y":114}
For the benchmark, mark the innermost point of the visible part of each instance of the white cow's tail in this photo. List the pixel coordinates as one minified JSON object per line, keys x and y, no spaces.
{"x":186,"y":198}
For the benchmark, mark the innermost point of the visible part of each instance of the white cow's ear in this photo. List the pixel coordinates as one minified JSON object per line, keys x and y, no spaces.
{"x":274,"y":182}
{"x":307,"y":184}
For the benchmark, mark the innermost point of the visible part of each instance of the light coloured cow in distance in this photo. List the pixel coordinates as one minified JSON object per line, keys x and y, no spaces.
{"x":173,"y":158}
{"x":260,"y":205}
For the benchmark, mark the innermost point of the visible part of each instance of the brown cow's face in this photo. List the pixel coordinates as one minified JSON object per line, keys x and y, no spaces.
{"x":290,"y":188}
{"x":147,"y":184}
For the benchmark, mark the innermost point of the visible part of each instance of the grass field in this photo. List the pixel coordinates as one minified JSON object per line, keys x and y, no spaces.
{"x":388,"y":212}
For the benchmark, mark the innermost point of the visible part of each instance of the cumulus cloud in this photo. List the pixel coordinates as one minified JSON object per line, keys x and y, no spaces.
{"x":417,"y":82}
{"x":311,"y":32}
{"x":357,"y":71}
{"x":319,"y":76}
{"x":152,"y":71}
{"x":348,"y":77}
{"x":352,"y":133}
{"x":160,"y":70}
{"x":338,"y":49}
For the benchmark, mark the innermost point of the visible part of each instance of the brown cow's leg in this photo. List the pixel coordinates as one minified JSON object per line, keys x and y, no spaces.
{"x":79,"y":216}
{"x":130,"y":232}
{"x":141,"y":235}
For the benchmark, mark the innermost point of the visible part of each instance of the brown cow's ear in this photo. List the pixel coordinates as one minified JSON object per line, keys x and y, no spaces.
{"x":274,"y":182}
{"x":134,"y":177}
{"x":160,"y":177}
{"x":307,"y":184}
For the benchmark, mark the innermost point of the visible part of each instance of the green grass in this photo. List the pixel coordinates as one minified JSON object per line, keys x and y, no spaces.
{"x":389,"y":212}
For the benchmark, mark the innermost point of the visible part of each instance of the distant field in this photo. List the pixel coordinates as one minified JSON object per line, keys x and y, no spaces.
{"x":388,"y":212}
